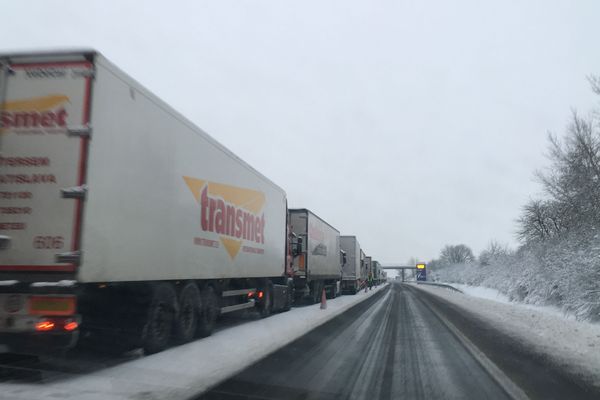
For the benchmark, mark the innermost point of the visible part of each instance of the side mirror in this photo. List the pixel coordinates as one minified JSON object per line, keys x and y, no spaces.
{"x":344,"y":260}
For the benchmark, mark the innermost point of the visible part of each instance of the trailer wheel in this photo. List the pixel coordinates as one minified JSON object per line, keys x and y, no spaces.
{"x":333,"y":291}
{"x":265,"y":307}
{"x":190,"y":309}
{"x":210,"y":312}
{"x":159,"y":321}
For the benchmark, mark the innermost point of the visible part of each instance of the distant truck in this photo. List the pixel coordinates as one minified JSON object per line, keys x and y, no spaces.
{"x":317,"y":264}
{"x":120,"y":218}
{"x":354,"y":271}
{"x":376,"y":268}
{"x":368,"y":268}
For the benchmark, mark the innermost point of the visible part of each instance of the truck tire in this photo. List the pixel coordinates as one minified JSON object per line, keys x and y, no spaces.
{"x":210,"y":312}
{"x":190,"y":310}
{"x":333,"y":291}
{"x":265,"y":306}
{"x":161,"y":315}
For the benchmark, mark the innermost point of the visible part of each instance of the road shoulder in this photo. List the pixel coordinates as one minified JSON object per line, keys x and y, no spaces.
{"x":491,"y":327}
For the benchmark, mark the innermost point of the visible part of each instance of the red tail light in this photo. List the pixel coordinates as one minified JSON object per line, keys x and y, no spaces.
{"x":44,"y":326}
{"x":70,"y":326}
{"x":56,"y":324}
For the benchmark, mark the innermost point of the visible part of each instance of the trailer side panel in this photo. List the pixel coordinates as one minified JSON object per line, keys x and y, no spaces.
{"x":166,"y":201}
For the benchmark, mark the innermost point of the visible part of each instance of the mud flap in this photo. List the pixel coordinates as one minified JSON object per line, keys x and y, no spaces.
{"x":280,"y":293}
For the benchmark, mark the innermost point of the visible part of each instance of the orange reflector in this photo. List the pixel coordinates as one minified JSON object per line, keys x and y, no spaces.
{"x":44,"y":326}
{"x":71,"y":326}
{"x":301,"y":262}
{"x":260,"y":295}
{"x":46,"y":305}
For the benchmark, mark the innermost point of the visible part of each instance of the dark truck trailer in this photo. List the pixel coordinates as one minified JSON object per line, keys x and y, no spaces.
{"x":318,"y":263}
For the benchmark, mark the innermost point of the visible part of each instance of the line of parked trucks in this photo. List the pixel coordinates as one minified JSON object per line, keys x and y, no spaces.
{"x":121,"y":220}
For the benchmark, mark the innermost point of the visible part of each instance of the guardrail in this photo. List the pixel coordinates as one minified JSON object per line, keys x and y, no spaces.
{"x":440,"y":285}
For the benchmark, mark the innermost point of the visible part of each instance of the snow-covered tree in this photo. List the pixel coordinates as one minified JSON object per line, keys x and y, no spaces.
{"x":456,"y":254}
{"x":558,"y":262}
{"x":493,"y":252}
{"x":571,"y":183}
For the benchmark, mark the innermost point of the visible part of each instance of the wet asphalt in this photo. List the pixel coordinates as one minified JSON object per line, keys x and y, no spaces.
{"x":391,"y":346}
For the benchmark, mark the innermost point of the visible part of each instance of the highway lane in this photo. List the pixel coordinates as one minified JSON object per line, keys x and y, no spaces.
{"x":395,"y":344}
{"x":391,"y":346}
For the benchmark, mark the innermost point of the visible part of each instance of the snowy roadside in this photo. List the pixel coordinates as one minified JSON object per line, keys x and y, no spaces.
{"x":187,"y":370}
{"x":481,"y":292}
{"x":493,"y":294}
{"x":570,"y":344}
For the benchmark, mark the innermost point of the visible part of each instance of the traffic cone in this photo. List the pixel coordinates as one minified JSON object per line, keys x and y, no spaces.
{"x":323,"y":300}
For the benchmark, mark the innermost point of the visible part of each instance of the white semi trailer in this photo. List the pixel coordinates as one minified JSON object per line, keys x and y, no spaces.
{"x":378,"y":273}
{"x":318,"y":264}
{"x":354,"y":272}
{"x":118,"y":216}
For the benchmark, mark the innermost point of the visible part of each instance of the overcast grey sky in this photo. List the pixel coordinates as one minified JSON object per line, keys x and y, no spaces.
{"x":411,"y":124}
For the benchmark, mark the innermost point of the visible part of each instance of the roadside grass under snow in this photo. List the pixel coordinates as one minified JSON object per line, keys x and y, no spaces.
{"x":495,"y":295}
{"x":186,"y":371}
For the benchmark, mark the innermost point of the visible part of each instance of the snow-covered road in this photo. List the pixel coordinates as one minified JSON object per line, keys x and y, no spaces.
{"x":180,"y":372}
{"x":390,"y":347}
{"x":415,"y":342}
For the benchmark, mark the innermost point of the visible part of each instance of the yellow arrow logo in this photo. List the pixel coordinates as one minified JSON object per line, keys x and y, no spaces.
{"x":40,"y":104}
{"x":247,"y":199}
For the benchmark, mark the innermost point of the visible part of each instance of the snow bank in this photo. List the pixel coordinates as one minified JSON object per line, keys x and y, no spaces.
{"x":574,"y":345}
{"x":495,"y":295}
{"x":481,"y":292}
{"x":186,"y":371}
